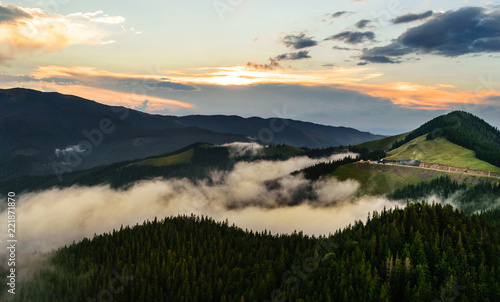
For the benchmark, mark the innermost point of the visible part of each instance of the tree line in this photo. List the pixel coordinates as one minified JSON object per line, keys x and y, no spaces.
{"x":424,"y":252}
{"x":470,"y":198}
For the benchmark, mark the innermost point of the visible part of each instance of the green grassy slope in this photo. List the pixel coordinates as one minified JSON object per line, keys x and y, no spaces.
{"x":463,"y":129}
{"x":181,"y":158}
{"x":383,"y":179}
{"x":383,"y":143}
{"x":440,"y":151}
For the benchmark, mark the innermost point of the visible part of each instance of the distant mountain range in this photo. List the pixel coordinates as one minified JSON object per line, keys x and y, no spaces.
{"x":41,"y":133}
{"x":114,"y":148}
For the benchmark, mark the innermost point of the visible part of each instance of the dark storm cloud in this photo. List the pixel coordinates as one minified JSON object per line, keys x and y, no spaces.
{"x":353,"y":37}
{"x":454,"y":33}
{"x":468,"y":30}
{"x":394,"y":49}
{"x":339,"y":14}
{"x":341,"y":48}
{"x":378,"y":59}
{"x":16,"y":78}
{"x":273,"y":65}
{"x":59,"y":81}
{"x":173,"y":86}
{"x":299,"y":41}
{"x":412,"y":17}
{"x":10,"y":13}
{"x":362,"y":23}
{"x":294,"y":56}
{"x":163,"y":83}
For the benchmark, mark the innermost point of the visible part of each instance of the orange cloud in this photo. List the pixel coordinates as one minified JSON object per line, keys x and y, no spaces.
{"x":131,"y":99}
{"x":427,"y":97}
{"x":26,"y":30}
{"x":408,"y":95}
{"x":99,"y":78}
{"x":80,"y":72}
{"x":116,"y":98}
{"x":249,"y":75}
{"x":224,"y":76}
{"x":404,"y":94}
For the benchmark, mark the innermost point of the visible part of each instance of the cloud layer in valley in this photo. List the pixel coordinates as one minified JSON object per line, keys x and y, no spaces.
{"x":253,"y":196}
{"x":239,"y":149}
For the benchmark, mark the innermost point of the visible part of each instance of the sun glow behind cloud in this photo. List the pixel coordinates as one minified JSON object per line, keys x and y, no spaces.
{"x":403,"y":94}
{"x":275,"y":73}
{"x":408,"y":95}
{"x":247,"y":75}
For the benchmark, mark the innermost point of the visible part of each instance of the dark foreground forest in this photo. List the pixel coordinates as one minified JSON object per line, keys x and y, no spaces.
{"x":420,"y":253}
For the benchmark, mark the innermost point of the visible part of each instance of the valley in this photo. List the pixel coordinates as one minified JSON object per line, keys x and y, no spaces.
{"x":249,"y":151}
{"x":265,"y":194}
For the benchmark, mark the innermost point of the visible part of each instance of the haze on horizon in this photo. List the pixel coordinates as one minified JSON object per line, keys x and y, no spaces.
{"x":379,"y":66}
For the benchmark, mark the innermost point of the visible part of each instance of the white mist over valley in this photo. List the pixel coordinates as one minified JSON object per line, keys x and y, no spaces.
{"x":50,"y":219}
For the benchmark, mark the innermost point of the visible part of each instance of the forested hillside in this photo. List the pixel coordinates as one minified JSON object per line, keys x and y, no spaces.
{"x":470,"y":198}
{"x":421,"y":253}
{"x":326,"y":168}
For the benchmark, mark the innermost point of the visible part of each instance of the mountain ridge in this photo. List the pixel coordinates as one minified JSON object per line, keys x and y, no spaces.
{"x":34,"y":125}
{"x":279,"y":128}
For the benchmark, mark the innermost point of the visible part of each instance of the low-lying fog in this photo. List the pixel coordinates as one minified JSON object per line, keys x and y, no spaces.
{"x":50,"y":219}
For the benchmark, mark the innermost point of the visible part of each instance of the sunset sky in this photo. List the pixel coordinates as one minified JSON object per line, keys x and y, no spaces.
{"x":381,"y":66}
